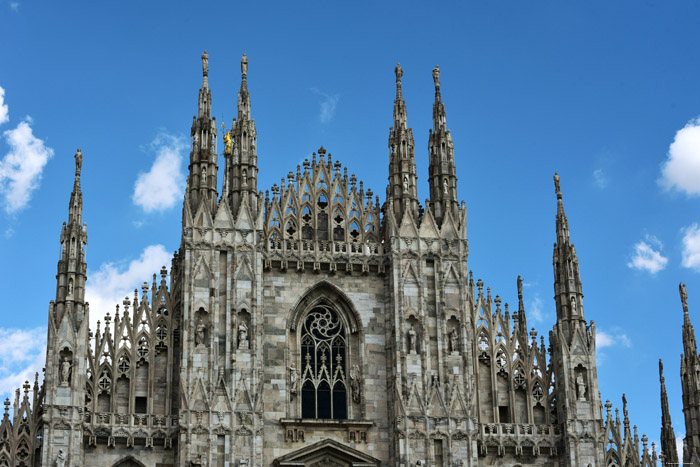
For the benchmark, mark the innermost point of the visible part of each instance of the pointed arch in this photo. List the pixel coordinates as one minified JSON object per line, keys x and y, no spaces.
{"x":325,"y":292}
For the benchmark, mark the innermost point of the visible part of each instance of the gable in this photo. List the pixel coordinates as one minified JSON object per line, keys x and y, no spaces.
{"x":327,"y":452}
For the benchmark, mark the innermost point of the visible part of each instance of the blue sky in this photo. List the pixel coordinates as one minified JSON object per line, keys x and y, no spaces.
{"x":605,"y":93}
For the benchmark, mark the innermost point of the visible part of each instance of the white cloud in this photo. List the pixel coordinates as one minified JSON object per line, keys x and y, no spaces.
{"x":328,"y":104}
{"x":691,"y":247}
{"x":647,"y":255}
{"x":14,"y":6}
{"x":161,"y":187}
{"x":681,"y":170}
{"x":22,"y":166}
{"x":108,"y":286}
{"x":4,"y":112}
{"x":605,"y":339}
{"x":22,"y":354}
{"x":600,"y":178}
{"x":679,"y":445}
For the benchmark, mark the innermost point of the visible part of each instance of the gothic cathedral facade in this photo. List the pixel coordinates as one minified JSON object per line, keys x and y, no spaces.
{"x":313,"y":325}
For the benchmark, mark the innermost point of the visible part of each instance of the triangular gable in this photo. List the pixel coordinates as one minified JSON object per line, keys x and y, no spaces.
{"x":203,"y":217}
{"x":223,"y":218}
{"x":428,"y":228}
{"x":408,"y":226}
{"x":449,"y":229}
{"x":327,"y":450}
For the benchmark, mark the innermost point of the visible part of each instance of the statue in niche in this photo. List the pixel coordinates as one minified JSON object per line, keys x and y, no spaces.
{"x":242,"y":335}
{"x":454,"y":345}
{"x":293,"y":378}
{"x":573,"y":306}
{"x":245,"y":178}
{"x":445,"y":188}
{"x":70,"y":287}
{"x":355,"y":382}
{"x":411,"y":340}
{"x":580,"y":387}
{"x":199,"y":333}
{"x":65,"y":371}
{"x":61,"y":458}
{"x":405,"y":184}
{"x":204,"y":175}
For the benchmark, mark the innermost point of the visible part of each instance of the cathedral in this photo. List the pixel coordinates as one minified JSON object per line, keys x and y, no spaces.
{"x":312,"y":324}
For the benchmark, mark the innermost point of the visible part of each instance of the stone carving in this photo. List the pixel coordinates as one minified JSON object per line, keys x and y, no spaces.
{"x":398,"y":71}
{"x":78,"y":162}
{"x":574,"y":308}
{"x":355,"y":382}
{"x":293,"y":379}
{"x":205,"y":63}
{"x":65,"y":371}
{"x":684,"y":296}
{"x":436,"y":76}
{"x":61,"y":459}
{"x":243,"y":335}
{"x":580,"y":387}
{"x":454,"y":345}
{"x":244,"y":64}
{"x":411,"y":340}
{"x":199,"y":333}
{"x":405,"y":184}
{"x":445,"y":189}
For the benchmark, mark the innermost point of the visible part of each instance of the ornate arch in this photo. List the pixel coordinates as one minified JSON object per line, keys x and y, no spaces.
{"x":325,"y":292}
{"x":128,"y":461}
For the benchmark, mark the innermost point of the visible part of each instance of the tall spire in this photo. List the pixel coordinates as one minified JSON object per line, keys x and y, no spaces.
{"x":668,"y":437}
{"x":202,"y":178}
{"x":442,"y":169}
{"x":689,"y":343}
{"x":402,"y":190}
{"x":568,"y":291}
{"x":242,"y":163}
{"x":690,"y":383}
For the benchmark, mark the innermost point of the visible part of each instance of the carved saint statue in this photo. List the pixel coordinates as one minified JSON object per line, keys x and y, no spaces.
{"x":399,"y":72}
{"x":355,"y":382}
{"x":245,"y":177}
{"x":244,"y":64}
{"x":61,"y":458}
{"x":445,"y":188}
{"x":580,"y":387}
{"x":436,"y":76}
{"x":78,"y":162}
{"x":65,"y":371}
{"x":574,"y":309}
{"x":199,"y":333}
{"x":405,"y":184}
{"x":454,"y":346}
{"x":204,"y":175}
{"x":242,"y":335}
{"x":205,"y":63}
{"x":684,"y":295}
{"x":411,"y":340}
{"x":293,"y":378}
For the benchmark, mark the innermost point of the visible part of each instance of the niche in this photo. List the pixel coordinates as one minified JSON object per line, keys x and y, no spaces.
{"x":412,"y":335}
{"x":581,"y":383}
{"x":243,"y":321}
{"x":200,"y":327}
{"x":65,"y":369}
{"x":453,"y":335}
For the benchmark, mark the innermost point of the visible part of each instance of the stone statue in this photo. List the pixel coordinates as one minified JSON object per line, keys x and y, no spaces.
{"x":399,"y":72}
{"x":445,"y":188}
{"x":420,"y":463}
{"x":580,"y":387}
{"x":78,"y":162}
{"x":405,"y":184}
{"x":65,"y":371}
{"x":454,"y":346}
{"x":199,"y":334}
{"x":293,"y":377}
{"x":242,"y":335}
{"x":244,"y":64}
{"x":355,"y":382}
{"x":436,"y":76}
{"x":228,"y":143}
{"x":245,"y":177}
{"x":61,"y":458}
{"x":574,"y":308}
{"x":411,"y":340}
{"x":205,"y":63}
{"x":684,"y":296}
{"x":204,"y":175}
{"x":557,"y":183}
{"x":520,"y":287}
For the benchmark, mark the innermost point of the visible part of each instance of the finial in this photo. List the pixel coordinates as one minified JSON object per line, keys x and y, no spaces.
{"x":684,"y":296}
{"x":321,"y":151}
{"x":436,"y":77}
{"x":399,"y":72}
{"x":661,"y":370}
{"x":78,"y":163}
{"x":557,"y":185}
{"x":520,"y":288}
{"x":205,"y":63}
{"x":244,"y":65}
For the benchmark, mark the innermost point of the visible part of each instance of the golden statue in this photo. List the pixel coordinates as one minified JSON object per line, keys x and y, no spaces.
{"x":228,"y":141}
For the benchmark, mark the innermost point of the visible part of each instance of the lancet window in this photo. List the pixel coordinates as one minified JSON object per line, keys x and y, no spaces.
{"x":324,"y":361}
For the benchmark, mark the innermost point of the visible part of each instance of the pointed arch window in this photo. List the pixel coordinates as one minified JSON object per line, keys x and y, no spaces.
{"x":324,"y":356}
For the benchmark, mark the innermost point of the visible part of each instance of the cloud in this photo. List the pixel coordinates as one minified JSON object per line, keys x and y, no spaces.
{"x":691,"y":247}
{"x":161,"y":187}
{"x":4,"y":112}
{"x":22,"y":354}
{"x":605,"y":339}
{"x":681,"y":170}
{"x":600,"y":178}
{"x":14,"y":6}
{"x":647,"y":255}
{"x":108,"y":286}
{"x":328,"y":104}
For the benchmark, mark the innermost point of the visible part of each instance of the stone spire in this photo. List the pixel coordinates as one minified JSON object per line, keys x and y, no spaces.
{"x":242,"y":178}
{"x":690,"y":383}
{"x":203,"y":167}
{"x":402,"y":191}
{"x":568,"y":290}
{"x":668,"y":437}
{"x":442,"y":169}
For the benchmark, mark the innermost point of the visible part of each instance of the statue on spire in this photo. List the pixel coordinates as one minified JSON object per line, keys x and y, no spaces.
{"x":557,"y":184}
{"x":244,"y":65}
{"x":399,"y":72}
{"x":684,"y":296}
{"x":436,"y":76}
{"x":205,"y":63}
{"x":78,"y":162}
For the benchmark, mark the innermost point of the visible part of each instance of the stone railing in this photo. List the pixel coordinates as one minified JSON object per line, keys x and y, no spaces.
{"x":527,"y":439}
